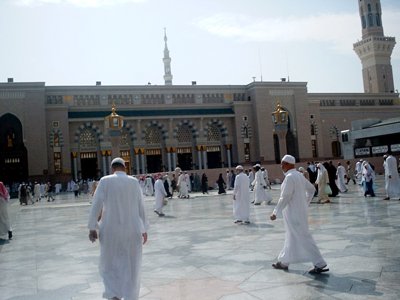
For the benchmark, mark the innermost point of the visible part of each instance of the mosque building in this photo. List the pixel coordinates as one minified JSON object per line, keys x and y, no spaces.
{"x":74,"y":131}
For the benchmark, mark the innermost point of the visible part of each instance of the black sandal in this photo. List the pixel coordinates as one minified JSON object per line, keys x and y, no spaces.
{"x":278,"y":265}
{"x":317,"y":270}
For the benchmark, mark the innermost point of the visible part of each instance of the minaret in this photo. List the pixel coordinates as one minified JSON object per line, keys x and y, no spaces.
{"x":167,"y":62}
{"x":374,"y":49}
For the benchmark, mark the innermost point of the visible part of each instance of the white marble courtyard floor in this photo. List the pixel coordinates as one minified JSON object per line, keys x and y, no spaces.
{"x":197,"y":253}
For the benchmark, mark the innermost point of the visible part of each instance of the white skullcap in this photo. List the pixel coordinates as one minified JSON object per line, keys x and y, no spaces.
{"x":289,"y":159}
{"x":239,"y":167}
{"x":257,"y":165}
{"x":118,"y":160}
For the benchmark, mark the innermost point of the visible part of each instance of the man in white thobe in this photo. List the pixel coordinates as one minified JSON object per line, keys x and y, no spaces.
{"x":36,"y":191}
{"x":241,"y":197}
{"x":358,"y":171}
{"x":160,"y":194}
{"x":148,"y":186}
{"x":183,"y":186}
{"x":228,"y":179}
{"x":341,"y":180}
{"x":251,"y":178}
{"x":392,"y":180}
{"x":296,"y":194}
{"x":188,"y":182}
{"x":265,"y":175}
{"x":259,"y":184}
{"x":118,"y":214}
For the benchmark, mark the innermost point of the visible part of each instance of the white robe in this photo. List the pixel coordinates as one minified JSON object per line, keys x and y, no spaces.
{"x":148,"y":187}
{"x":392,"y":184}
{"x":260,"y":193}
{"x":122,"y":223}
{"x":36,"y":191}
{"x":183,"y":186}
{"x":322,"y":181}
{"x":5,"y":226}
{"x":241,"y":204}
{"x":341,"y":181}
{"x":296,"y":194}
{"x":169,"y":185}
{"x":266,"y":179}
{"x":189,"y":184}
{"x":358,"y":171}
{"x":160,"y":194}
{"x":251,"y":178}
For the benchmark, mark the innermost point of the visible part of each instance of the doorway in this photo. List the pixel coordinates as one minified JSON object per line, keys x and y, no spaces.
{"x":214,"y":159}
{"x":185,"y":161}
{"x":89,"y":165}
{"x":13,"y":153}
{"x":154,"y":163}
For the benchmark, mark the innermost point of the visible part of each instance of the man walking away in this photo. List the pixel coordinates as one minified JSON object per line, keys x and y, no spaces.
{"x":392,"y":180}
{"x":241,"y":197}
{"x":122,"y":229}
{"x":299,"y":246}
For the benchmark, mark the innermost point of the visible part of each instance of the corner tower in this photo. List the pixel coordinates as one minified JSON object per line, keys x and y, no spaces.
{"x":374,"y":49}
{"x":167,"y":62}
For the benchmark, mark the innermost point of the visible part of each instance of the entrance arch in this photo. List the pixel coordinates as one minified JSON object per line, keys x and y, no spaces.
{"x":13,"y":153}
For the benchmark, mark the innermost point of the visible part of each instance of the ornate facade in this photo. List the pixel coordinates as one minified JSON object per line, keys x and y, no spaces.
{"x":60,"y":131}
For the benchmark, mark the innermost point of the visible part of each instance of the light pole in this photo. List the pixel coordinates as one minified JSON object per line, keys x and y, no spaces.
{"x":280,"y":121}
{"x":114,"y":124}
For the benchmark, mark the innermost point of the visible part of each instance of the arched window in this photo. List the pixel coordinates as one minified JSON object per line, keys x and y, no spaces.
{"x":184,"y":135}
{"x":363,"y":22}
{"x":378,"y":20}
{"x":370,"y":20}
{"x":369,"y":7}
{"x":153,"y":135}
{"x":213,"y":133}
{"x":87,"y":138}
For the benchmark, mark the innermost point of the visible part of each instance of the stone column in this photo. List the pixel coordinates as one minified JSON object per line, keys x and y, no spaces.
{"x":169,"y":160}
{"x":173,"y":151}
{"x":142,"y":157}
{"x":205,"y":164}
{"x":228,"y":155}
{"x":281,"y":133}
{"x":199,"y":158}
{"x":108,"y":163}
{"x":75,"y":164}
{"x":104,"y":162}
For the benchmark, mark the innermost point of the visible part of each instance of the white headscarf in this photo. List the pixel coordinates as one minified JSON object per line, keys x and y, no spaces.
{"x":321,"y":173}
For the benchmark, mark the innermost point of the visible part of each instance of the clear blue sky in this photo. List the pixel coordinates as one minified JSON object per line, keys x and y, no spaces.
{"x":79,"y":42}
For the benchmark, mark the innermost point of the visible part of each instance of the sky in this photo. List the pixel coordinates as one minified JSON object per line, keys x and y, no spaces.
{"x":212,"y":42}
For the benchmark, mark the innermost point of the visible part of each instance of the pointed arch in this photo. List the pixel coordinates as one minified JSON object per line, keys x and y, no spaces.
{"x":89,"y":126}
{"x":11,"y":128}
{"x":13,"y":153}
{"x":188,"y":124}
{"x":215,"y":123}
{"x":153,"y":127}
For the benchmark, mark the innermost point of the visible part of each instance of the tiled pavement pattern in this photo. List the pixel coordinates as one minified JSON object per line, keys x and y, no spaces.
{"x":196,"y":252}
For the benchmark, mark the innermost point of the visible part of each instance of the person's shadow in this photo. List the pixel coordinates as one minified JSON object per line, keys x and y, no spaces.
{"x":331,"y":284}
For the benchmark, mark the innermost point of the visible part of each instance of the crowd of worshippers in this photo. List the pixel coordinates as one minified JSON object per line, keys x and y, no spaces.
{"x":29,"y":193}
{"x":330,"y":180}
